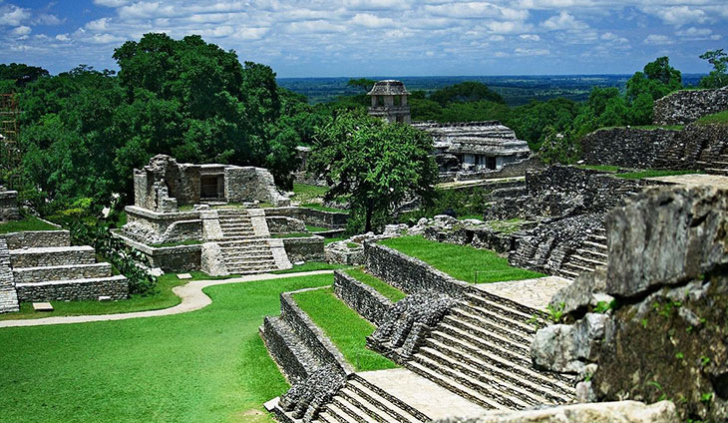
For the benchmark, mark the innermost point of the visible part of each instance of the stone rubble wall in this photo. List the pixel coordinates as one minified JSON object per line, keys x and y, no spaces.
{"x":59,"y":273}
{"x":696,"y":147}
{"x":509,"y":170}
{"x":409,"y":274}
{"x":37,"y":239}
{"x":116,"y":288}
{"x":624,"y":147}
{"x":8,"y":295}
{"x":304,"y":249}
{"x":284,"y":348}
{"x":55,"y":256}
{"x":160,"y":228}
{"x":362,"y":298}
{"x":663,"y":336}
{"x":8,"y":205}
{"x":687,"y":106}
{"x":182,"y":258}
{"x":278,"y":225}
{"x":320,"y":218}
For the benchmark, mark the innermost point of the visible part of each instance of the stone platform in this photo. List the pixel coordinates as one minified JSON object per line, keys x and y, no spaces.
{"x":534,"y":293}
{"x":694,"y":180}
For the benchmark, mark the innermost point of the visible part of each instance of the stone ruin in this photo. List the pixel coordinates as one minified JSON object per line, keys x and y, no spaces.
{"x":651,"y":324}
{"x":164,"y":185}
{"x":8,"y":205}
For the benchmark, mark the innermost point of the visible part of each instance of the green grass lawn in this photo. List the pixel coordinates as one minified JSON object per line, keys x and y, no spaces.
{"x":382,"y":287}
{"x":164,"y":298}
{"x":717,"y":118}
{"x":307,"y":193}
{"x":346,"y":329}
{"x":310,"y":267}
{"x":27,"y":223}
{"x":178,"y":244}
{"x":654,"y":173}
{"x":461,"y":262}
{"x":328,"y":241}
{"x":319,"y":207}
{"x":315,"y":229}
{"x":206,"y":366}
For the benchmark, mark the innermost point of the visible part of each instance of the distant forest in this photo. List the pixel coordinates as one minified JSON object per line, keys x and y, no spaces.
{"x":515,"y":90}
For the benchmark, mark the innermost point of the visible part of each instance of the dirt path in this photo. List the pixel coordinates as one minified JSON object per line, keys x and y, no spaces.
{"x":191,"y":294}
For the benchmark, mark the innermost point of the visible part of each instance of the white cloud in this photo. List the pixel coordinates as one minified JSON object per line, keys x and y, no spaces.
{"x":21,"y":31}
{"x":698,"y":34}
{"x":563,"y":21}
{"x":679,"y":15}
{"x":12,"y":15}
{"x":372,"y":21}
{"x":529,"y":37}
{"x":658,"y":40}
{"x":531,"y":52}
{"x":473,"y":10}
{"x":63,"y":37}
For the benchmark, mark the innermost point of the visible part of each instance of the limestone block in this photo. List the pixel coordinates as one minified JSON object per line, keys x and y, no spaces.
{"x":568,"y":348}
{"x":212,"y":260}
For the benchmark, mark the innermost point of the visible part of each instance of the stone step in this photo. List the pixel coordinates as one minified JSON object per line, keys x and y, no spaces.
{"x":326,"y":417}
{"x":492,"y":325}
{"x":56,"y":273}
{"x":334,"y":409}
{"x":496,"y":344}
{"x":251,"y":270}
{"x":250,"y":262}
{"x":503,"y":359}
{"x":52,"y":256}
{"x":593,"y":254}
{"x":452,"y":384}
{"x":364,"y":406}
{"x":525,"y":378}
{"x":573,"y":267}
{"x":287,"y":348}
{"x":716,"y":171}
{"x":492,"y":331}
{"x":244,"y":255}
{"x":9,"y":300}
{"x":490,"y":307}
{"x":115,"y":287}
{"x":599,"y":239}
{"x":585,"y":262}
{"x":568,"y":274}
{"x":393,"y":407}
{"x":501,"y":390}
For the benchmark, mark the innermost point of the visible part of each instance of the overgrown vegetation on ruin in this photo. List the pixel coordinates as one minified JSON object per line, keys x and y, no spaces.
{"x":382,"y":287}
{"x":462,"y":262}
{"x":27,"y":223}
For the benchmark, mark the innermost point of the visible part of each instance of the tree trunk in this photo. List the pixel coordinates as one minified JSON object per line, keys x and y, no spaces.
{"x":368,"y":226}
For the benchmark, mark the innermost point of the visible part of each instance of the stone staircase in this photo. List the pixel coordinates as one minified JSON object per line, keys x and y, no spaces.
{"x":593,"y":253}
{"x":248,"y":256}
{"x":719,"y":166}
{"x":61,"y":272}
{"x":481,"y":351}
{"x":362,"y":402}
{"x":235,"y":224}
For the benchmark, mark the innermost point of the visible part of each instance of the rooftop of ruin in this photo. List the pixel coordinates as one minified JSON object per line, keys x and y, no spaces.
{"x":389,"y":87}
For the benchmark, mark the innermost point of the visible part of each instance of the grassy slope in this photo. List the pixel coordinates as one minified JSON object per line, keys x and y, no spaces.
{"x":28,"y":223}
{"x":717,"y":118}
{"x":460,"y":262}
{"x":310,"y":267}
{"x":654,"y":173}
{"x":163,"y":299}
{"x":205,"y":366}
{"x":346,"y":329}
{"x":384,"y":288}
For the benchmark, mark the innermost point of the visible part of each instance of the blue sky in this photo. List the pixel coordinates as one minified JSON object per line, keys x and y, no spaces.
{"x":380,"y":37}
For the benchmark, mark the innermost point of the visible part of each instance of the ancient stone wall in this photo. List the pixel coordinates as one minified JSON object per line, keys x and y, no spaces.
{"x":697,"y":147}
{"x":161,"y":228}
{"x":38,"y":257}
{"x":624,"y":147}
{"x":409,"y":274}
{"x":76,"y":271}
{"x":249,"y":184}
{"x":37,"y":239}
{"x":8,"y":295}
{"x":509,"y":170}
{"x":278,"y":225}
{"x":304,"y":249}
{"x":116,"y":288}
{"x":8,"y":205}
{"x":320,"y":218}
{"x":664,"y":335}
{"x":362,"y":298}
{"x":183,"y":258}
{"x":686,"y":106}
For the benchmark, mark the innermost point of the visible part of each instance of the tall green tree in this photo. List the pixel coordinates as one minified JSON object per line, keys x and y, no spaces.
{"x":718,"y":77}
{"x":375,"y":166}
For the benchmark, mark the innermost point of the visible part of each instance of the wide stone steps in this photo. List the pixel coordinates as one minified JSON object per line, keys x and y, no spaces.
{"x":521,"y":379}
{"x":85,"y":289}
{"x":493,"y":355}
{"x":458,"y":315}
{"x":514,"y":312}
{"x":443,"y":377}
{"x":55,"y":273}
{"x":487,"y":342}
{"x":593,"y":254}
{"x":52,"y":256}
{"x":9,"y":300}
{"x":380,"y":405}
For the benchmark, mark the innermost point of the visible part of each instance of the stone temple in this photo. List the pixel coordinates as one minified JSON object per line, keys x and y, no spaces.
{"x":458,"y":146}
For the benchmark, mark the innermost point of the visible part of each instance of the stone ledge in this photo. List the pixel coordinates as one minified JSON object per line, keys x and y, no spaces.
{"x":362,"y":298}
{"x":115,"y":287}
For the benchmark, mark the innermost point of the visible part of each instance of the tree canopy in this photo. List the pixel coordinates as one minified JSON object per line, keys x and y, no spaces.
{"x":373,"y":165}
{"x":718,"y":77}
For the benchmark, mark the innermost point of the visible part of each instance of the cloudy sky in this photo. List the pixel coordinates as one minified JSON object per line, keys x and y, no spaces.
{"x":380,"y":37}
